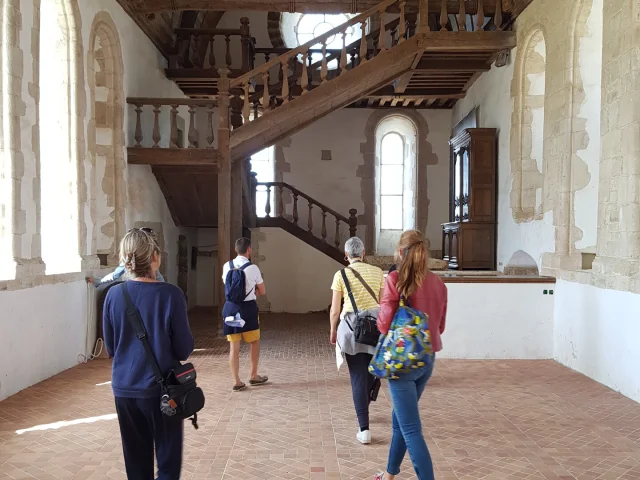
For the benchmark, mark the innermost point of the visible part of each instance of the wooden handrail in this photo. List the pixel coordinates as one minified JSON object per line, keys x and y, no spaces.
{"x":309,"y":199}
{"x":208,"y":31}
{"x":196,"y":102}
{"x":363,"y":17}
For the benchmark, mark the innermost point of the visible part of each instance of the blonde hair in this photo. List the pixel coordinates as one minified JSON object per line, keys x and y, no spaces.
{"x":414,"y":263}
{"x":136,"y":252}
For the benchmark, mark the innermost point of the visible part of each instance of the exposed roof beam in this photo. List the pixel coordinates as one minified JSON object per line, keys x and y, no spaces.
{"x":172,"y":156}
{"x":305,"y":6}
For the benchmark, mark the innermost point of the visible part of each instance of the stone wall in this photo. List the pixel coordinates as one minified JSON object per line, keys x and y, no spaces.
{"x":110,"y":59}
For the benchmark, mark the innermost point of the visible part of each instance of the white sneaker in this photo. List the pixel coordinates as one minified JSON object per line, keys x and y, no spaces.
{"x":364,"y":437}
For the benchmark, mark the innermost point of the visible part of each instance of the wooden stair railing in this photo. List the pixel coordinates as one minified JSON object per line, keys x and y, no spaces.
{"x":194,"y":144}
{"x":195,"y":47}
{"x":323,"y":236}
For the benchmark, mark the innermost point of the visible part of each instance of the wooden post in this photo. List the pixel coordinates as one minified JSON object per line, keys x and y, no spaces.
{"x":156,"y":126}
{"x":237,"y":179}
{"x":174,"y":127}
{"x":462,"y":18}
{"x":246,"y":40}
{"x":497,"y":19}
{"x":138,"y":134}
{"x":353,"y":222}
{"x":224,"y":182}
{"x":423,"y":22}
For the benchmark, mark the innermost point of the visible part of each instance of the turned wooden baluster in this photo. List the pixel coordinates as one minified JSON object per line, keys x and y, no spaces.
{"x":403,"y":23}
{"x":480,"y":15}
{"x":228,"y":58}
{"x":212,"y":53}
{"x":156,"y":126}
{"x":462,"y":17}
{"x":193,"y":133}
{"x":210,"y":136}
{"x":310,"y":70}
{"x":323,"y":231}
{"x":324,"y":69}
{"x":382,"y":40}
{"x":304,"y":79}
{"x":284,"y":68}
{"x":280,"y":211}
{"x":343,"y":54}
{"x":363,"y":43}
{"x":336,"y":238}
{"x":310,"y":219}
{"x":246,"y":41}
{"x":265,"y":91}
{"x":196,"y":49}
{"x":174,"y":127}
{"x":246,"y":108}
{"x":138,"y":134}
{"x":295,"y":208}
{"x":444,"y":17}
{"x":267,"y":207}
{"x":497,"y":20}
{"x":353,"y":222}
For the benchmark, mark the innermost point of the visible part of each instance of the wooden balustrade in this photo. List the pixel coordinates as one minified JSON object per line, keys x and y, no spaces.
{"x":282,"y":62}
{"x":169,"y":108}
{"x":196,"y":47}
{"x":280,"y":189}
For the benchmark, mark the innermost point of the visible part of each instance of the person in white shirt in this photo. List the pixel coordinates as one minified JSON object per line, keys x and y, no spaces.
{"x":247,"y":310}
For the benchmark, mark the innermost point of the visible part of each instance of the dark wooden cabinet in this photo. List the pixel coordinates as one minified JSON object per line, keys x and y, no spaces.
{"x":469,"y":238}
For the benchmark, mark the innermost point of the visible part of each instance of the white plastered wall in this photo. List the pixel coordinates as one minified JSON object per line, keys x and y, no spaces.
{"x":492,"y":95}
{"x":53,"y":316}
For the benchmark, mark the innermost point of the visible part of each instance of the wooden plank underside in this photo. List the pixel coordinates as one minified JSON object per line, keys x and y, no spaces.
{"x":172,"y":156}
{"x":466,"y":41}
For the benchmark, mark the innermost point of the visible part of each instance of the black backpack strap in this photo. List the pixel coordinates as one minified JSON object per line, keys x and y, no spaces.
{"x":248,"y":264}
{"x":133,"y":315}
{"x":364,"y":284}
{"x":350,"y":293}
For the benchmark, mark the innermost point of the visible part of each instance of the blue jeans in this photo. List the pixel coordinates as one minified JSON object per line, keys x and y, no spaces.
{"x":407,"y":429}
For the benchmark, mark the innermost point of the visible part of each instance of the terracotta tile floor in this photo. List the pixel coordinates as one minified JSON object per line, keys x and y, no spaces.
{"x":482,"y":419}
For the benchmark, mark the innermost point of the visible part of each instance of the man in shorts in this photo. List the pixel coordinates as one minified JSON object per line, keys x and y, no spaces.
{"x":250,"y":332}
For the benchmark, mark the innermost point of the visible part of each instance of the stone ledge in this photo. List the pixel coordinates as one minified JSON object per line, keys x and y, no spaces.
{"x":40,"y":280}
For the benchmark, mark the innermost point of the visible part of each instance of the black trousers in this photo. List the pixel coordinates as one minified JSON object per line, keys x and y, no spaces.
{"x":142,"y":425}
{"x":362,"y":383}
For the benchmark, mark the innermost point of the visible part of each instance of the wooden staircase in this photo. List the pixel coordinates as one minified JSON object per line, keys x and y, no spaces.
{"x":394,"y":60}
{"x":307,"y":219}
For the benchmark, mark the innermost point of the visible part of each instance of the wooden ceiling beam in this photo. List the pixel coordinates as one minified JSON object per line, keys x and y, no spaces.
{"x":401,"y":83}
{"x":305,"y":6}
{"x":181,"y":157}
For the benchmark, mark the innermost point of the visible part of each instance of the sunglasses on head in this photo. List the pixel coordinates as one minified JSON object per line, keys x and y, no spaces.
{"x":143,"y":229}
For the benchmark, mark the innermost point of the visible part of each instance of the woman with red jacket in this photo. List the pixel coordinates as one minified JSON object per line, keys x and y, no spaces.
{"x":427,"y":293}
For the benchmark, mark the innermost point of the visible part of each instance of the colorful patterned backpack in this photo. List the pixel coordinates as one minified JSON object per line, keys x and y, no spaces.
{"x":406,"y":347}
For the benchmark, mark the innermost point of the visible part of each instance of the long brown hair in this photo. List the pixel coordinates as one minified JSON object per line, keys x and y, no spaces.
{"x":414,"y":263}
{"x":136,"y":251}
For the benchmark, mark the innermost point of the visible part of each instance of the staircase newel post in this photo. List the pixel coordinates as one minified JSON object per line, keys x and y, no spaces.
{"x":224,"y":177}
{"x":353,"y":222}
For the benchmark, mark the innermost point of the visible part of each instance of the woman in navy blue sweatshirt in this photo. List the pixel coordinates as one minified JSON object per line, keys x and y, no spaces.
{"x":163,"y":309}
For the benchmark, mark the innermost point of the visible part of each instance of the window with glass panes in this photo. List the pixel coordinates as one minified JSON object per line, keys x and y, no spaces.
{"x":263,"y":164}
{"x":391,"y":182}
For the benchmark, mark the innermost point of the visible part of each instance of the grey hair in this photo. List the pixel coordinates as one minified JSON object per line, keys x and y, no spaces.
{"x":354,"y":248}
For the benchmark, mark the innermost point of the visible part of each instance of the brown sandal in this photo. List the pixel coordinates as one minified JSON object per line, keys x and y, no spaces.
{"x":258,"y":381}
{"x":239,"y":388}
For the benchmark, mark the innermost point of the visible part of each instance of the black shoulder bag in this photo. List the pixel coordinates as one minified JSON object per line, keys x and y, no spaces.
{"x":366,"y":329}
{"x":181,"y":396}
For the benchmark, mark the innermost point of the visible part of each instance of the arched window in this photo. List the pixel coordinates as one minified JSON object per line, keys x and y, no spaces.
{"x":528,"y":137}
{"x":396,"y":146}
{"x":106,"y":137}
{"x":299,"y":28}
{"x":392,"y":182}
{"x":58,"y":150}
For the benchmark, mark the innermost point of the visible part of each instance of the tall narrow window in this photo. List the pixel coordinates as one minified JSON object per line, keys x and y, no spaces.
{"x":392,"y":182}
{"x":58,"y":163}
{"x":263,"y":164}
